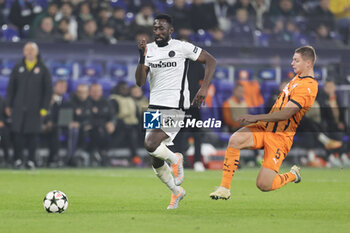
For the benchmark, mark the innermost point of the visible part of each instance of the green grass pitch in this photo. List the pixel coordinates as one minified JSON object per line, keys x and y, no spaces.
{"x":133,"y":200}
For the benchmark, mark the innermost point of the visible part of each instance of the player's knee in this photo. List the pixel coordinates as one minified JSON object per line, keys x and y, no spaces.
{"x":150,"y":145}
{"x":236,"y":141}
{"x":263,"y":185}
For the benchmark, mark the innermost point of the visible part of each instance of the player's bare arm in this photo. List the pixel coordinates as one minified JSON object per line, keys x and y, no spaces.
{"x":287,"y":112}
{"x":210,"y":64}
{"x":141,"y":70}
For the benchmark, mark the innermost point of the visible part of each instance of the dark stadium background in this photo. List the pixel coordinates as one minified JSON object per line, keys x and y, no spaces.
{"x":245,"y":51}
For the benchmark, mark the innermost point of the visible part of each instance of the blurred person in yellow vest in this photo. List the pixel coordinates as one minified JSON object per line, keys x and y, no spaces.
{"x":27,"y":101}
{"x":127,"y":120}
{"x":341,"y":10}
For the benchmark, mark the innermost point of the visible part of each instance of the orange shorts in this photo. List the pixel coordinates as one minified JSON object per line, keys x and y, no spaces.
{"x":276,"y":146}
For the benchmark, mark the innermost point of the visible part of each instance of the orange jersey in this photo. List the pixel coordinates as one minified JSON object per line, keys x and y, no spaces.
{"x":300,"y":90}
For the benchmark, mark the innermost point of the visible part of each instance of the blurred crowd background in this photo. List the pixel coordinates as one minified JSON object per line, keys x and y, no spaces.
{"x":262,"y":22}
{"x":89,"y":48}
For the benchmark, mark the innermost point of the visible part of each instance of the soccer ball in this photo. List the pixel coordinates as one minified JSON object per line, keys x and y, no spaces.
{"x":55,"y":202}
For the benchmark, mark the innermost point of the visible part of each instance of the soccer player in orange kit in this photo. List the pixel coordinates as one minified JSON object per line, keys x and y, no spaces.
{"x":274,"y":131}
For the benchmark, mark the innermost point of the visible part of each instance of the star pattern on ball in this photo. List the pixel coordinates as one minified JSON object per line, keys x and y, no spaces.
{"x":56,"y":202}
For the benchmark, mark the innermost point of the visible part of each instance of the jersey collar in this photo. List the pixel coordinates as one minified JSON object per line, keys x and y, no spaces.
{"x":165,"y":44}
{"x":301,"y":77}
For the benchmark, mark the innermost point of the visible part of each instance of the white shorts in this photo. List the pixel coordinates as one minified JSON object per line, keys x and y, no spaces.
{"x":170,"y":123}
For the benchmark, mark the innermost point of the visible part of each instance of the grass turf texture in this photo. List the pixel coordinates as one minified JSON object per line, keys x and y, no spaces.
{"x":131,"y":200}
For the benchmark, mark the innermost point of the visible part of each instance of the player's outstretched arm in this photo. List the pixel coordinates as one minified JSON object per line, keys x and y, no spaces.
{"x":141,"y":70}
{"x":210,"y":64}
{"x":287,"y":112}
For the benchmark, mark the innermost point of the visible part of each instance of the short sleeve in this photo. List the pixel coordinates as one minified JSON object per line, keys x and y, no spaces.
{"x":304,"y":95}
{"x":148,"y":54}
{"x":146,"y":61}
{"x":191,"y":51}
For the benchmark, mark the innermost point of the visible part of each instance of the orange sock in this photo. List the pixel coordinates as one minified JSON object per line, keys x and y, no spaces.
{"x":230,"y":166}
{"x":281,"y":180}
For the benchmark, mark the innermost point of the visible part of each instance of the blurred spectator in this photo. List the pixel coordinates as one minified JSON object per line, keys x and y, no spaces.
{"x":143,"y":34}
{"x":121,"y":29}
{"x":50,"y":127}
{"x":81,"y":124}
{"x":323,"y":37}
{"x":283,"y":7}
{"x":203,"y":17}
{"x":104,"y":18}
{"x":141,"y":105}
{"x":322,"y":15}
{"x":285,"y":11}
{"x":89,"y":34}
{"x":332,"y":112}
{"x":314,"y":134}
{"x":293,"y":32}
{"x":73,"y":2}
{"x":51,"y":11}
{"x":278,"y":31}
{"x":140,"y":100}
{"x":285,"y":33}
{"x":252,"y":95}
{"x":333,"y":120}
{"x":95,"y":6}
{"x":181,"y":18}
{"x":27,"y":100}
{"x":341,"y":10}
{"x":261,"y":8}
{"x":245,"y":4}
{"x":135,"y":5}
{"x":22,"y":13}
{"x":242,"y":28}
{"x":103,"y":125}
{"x":186,"y":137}
{"x":66,"y":11}
{"x":143,"y":20}
{"x":221,"y":9}
{"x":2,"y":12}
{"x":234,"y":107}
{"x":127,"y":121}
{"x":84,"y":14}
{"x":63,"y":33}
{"x":4,"y":133}
{"x":144,"y":17}
{"x":195,"y":77}
{"x":107,"y":35}
{"x":46,"y":32}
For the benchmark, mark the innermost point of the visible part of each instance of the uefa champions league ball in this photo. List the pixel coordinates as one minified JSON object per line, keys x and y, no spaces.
{"x":55,"y":202}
